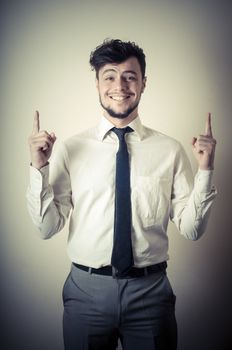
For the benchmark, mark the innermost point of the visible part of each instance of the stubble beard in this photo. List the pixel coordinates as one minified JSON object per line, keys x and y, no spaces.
{"x":114,"y":114}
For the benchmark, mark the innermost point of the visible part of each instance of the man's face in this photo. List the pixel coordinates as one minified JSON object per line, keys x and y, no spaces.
{"x":120,"y":86}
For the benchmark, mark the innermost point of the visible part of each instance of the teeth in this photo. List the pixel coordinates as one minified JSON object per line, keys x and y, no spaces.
{"x":119,"y":98}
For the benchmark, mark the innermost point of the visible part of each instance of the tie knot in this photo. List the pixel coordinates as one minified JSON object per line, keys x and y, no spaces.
{"x":121,"y":132}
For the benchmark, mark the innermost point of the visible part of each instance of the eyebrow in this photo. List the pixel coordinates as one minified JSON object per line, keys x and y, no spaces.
{"x":114,"y":70}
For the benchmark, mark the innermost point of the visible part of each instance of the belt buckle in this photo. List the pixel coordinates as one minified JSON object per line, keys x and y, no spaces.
{"x":114,"y":272}
{"x":145,"y":271}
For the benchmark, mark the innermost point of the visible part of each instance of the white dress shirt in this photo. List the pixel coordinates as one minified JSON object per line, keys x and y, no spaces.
{"x":81,"y":185}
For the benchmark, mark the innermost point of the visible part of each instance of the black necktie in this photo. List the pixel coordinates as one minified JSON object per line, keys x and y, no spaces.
{"x":122,"y":255}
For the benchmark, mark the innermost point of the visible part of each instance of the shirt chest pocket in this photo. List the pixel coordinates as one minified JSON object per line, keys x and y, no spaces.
{"x":151,"y":200}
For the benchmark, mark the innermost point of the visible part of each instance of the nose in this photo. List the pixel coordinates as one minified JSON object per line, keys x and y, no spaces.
{"x":121,"y":84}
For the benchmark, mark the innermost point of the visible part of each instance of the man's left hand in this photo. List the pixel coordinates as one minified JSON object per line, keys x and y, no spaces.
{"x":204,"y":147}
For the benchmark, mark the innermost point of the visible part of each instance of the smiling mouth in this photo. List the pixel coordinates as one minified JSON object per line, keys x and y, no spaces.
{"x":119,"y":98}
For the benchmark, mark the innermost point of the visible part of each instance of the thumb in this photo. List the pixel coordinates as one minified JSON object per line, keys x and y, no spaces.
{"x":194,"y":139}
{"x":53,"y":136}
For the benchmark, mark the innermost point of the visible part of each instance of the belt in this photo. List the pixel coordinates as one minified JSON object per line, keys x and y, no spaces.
{"x":134,"y":271}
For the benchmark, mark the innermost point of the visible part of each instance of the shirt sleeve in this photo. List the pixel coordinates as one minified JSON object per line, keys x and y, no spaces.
{"x":192,"y":198}
{"x":49,"y":195}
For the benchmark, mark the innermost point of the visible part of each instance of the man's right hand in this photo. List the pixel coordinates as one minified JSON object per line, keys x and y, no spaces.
{"x":41,"y":144}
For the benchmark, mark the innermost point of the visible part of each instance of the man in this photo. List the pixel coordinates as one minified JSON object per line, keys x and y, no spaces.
{"x":122,"y":182}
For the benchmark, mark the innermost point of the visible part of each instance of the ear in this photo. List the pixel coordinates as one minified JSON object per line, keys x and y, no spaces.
{"x":97,"y":83}
{"x":144,"y":84}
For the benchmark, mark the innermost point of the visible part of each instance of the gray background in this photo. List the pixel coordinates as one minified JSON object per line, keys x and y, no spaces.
{"x":44,"y":52}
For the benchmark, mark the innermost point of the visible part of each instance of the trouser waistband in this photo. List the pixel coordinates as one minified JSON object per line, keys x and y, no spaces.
{"x":134,"y":271}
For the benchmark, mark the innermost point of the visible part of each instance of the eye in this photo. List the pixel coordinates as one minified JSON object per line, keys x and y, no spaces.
{"x":131,"y":78}
{"x":109,"y":78}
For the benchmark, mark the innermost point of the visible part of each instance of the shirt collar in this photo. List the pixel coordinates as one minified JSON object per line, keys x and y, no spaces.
{"x":105,"y":126}
{"x":138,"y":128}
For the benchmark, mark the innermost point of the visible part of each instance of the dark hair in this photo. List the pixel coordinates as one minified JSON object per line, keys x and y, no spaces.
{"x":116,"y":51}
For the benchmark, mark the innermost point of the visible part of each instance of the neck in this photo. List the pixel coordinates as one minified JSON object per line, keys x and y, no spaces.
{"x":120,"y":123}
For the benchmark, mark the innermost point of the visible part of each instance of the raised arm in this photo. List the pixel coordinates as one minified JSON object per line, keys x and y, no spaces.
{"x":191,"y":203}
{"x":49,"y":203}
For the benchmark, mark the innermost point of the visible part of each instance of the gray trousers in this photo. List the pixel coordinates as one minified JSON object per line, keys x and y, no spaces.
{"x":100,"y":310}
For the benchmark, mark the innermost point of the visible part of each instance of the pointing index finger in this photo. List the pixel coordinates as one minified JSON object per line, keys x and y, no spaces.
{"x":208,"y":127}
{"x":36,"y":126}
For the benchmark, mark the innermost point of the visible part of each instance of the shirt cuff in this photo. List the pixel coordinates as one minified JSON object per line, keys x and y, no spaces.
{"x":39,"y":179}
{"x":203,"y":181}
